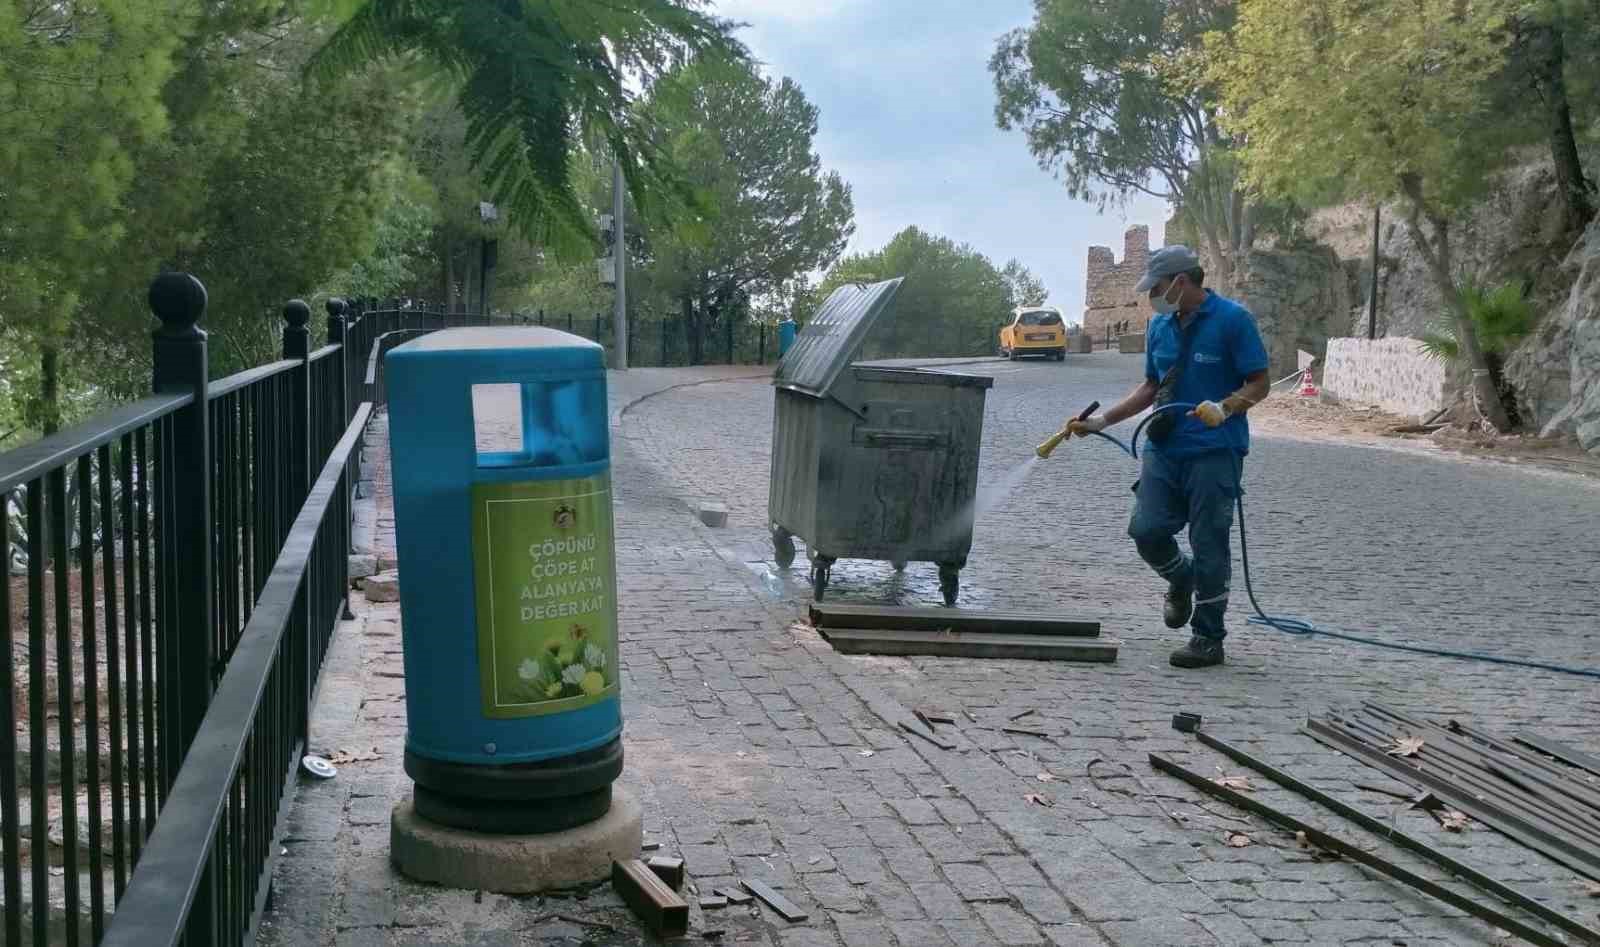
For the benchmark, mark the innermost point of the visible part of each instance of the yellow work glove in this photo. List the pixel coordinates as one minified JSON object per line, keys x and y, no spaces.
{"x":1087,"y":426}
{"x":1210,"y":413}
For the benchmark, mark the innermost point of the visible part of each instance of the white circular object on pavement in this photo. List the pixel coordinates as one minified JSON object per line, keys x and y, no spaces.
{"x":318,"y":767}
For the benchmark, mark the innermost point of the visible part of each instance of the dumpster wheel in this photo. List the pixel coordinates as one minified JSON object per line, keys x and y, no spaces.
{"x":782,"y":547}
{"x":821,"y":572}
{"x":950,"y":584}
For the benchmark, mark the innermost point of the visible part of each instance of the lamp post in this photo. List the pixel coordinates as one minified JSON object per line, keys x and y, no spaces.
{"x":619,"y":256}
{"x":487,"y":258}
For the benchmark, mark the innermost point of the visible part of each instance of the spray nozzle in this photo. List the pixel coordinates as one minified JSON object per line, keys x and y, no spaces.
{"x":1048,"y":447}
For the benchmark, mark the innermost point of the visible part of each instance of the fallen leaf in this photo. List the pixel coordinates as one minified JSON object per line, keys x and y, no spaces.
{"x":1046,"y":777}
{"x":1451,"y":820}
{"x":1406,"y":746}
{"x":355,"y":756}
{"x":1037,"y":799}
{"x":1237,"y":839}
{"x":1239,"y":783}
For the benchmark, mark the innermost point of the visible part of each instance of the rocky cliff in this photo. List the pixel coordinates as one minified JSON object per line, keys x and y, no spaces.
{"x":1300,"y":298}
{"x":1560,"y":365}
{"x":1514,"y":234}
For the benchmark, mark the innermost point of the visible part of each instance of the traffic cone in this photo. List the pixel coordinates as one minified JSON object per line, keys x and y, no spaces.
{"x":1308,"y":387}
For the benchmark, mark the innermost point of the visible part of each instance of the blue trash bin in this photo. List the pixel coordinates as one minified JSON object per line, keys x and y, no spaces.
{"x":787,"y":330}
{"x":507,"y":577}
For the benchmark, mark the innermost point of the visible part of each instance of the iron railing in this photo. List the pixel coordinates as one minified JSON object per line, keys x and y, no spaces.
{"x":205,"y":871}
{"x":187,"y":563}
{"x":152,"y":535}
{"x":121,"y":613}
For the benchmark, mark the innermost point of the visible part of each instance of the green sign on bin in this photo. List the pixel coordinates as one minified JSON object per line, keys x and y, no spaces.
{"x":546,"y":594}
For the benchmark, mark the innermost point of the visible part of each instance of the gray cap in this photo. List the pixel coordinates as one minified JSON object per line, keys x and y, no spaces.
{"x":1165,"y":262}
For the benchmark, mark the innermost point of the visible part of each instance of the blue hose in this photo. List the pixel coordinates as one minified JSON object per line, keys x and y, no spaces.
{"x":1304,"y":629}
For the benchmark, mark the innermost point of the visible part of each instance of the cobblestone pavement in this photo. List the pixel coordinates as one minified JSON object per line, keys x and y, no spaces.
{"x":758,"y":752}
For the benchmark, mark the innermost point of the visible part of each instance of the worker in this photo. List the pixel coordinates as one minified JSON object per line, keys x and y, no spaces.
{"x":1201,"y":349}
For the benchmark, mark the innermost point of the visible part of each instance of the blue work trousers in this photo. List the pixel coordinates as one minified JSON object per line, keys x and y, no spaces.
{"x":1198,"y":492}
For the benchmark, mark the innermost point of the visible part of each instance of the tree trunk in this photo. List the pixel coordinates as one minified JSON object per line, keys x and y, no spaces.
{"x":1220,"y":281}
{"x":691,"y":330}
{"x":1549,"y":70}
{"x":1436,"y":252}
{"x":47,"y":412}
{"x":447,"y":292}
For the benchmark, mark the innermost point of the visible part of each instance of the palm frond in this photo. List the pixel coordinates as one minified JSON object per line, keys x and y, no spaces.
{"x":535,"y":78}
{"x":1439,"y":343}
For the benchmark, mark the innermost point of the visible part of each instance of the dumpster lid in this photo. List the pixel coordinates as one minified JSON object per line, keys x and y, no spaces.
{"x":830,"y":341}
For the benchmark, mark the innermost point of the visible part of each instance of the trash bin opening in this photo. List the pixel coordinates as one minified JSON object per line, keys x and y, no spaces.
{"x":536,"y":424}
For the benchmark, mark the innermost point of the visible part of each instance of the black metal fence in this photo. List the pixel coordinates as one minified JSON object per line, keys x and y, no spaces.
{"x":662,"y":342}
{"x":186,"y":565}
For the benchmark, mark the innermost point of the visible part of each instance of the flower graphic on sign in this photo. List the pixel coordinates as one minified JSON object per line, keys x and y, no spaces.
{"x":566,"y":517}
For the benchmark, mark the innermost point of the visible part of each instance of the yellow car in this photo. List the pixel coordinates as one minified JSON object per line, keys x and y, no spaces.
{"x":1034,"y":330}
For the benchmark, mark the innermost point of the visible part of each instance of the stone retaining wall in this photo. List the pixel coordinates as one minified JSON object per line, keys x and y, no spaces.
{"x":1394,"y":374}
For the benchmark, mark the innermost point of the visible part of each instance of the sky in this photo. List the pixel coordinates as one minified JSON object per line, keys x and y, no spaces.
{"x":907,"y":119}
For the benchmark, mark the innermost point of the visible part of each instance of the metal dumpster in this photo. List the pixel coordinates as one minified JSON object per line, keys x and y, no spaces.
{"x":868,"y":462}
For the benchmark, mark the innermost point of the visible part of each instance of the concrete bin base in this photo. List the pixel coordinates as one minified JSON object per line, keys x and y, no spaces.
{"x":515,"y":864}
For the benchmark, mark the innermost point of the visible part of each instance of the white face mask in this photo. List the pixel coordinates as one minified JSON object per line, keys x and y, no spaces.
{"x":1161,"y":304}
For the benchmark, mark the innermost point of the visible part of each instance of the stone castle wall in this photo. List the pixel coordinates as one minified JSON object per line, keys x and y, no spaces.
{"x":1109,"y":297}
{"x":1299,"y":297}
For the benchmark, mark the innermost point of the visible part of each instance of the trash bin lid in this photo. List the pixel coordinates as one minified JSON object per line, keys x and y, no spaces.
{"x":829,"y":342}
{"x":553,"y":349}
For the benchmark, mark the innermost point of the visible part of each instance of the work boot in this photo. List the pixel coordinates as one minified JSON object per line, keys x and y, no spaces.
{"x":1179,"y":605}
{"x":1200,"y":652}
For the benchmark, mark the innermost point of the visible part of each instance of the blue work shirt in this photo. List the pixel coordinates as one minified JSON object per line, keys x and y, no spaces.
{"x":1226,"y":347}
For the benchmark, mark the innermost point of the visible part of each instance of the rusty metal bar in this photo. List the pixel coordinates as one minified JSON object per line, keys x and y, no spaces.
{"x":1566,"y":754}
{"x":980,"y":645}
{"x":1355,"y":853}
{"x":658,"y":906}
{"x":786,"y":909}
{"x":902,"y":618}
{"x":1410,"y":843}
{"x":1484,"y":784}
{"x":1491,"y":778}
{"x":1563,"y":779}
{"x":1518,"y":828}
{"x":1540,"y":772}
